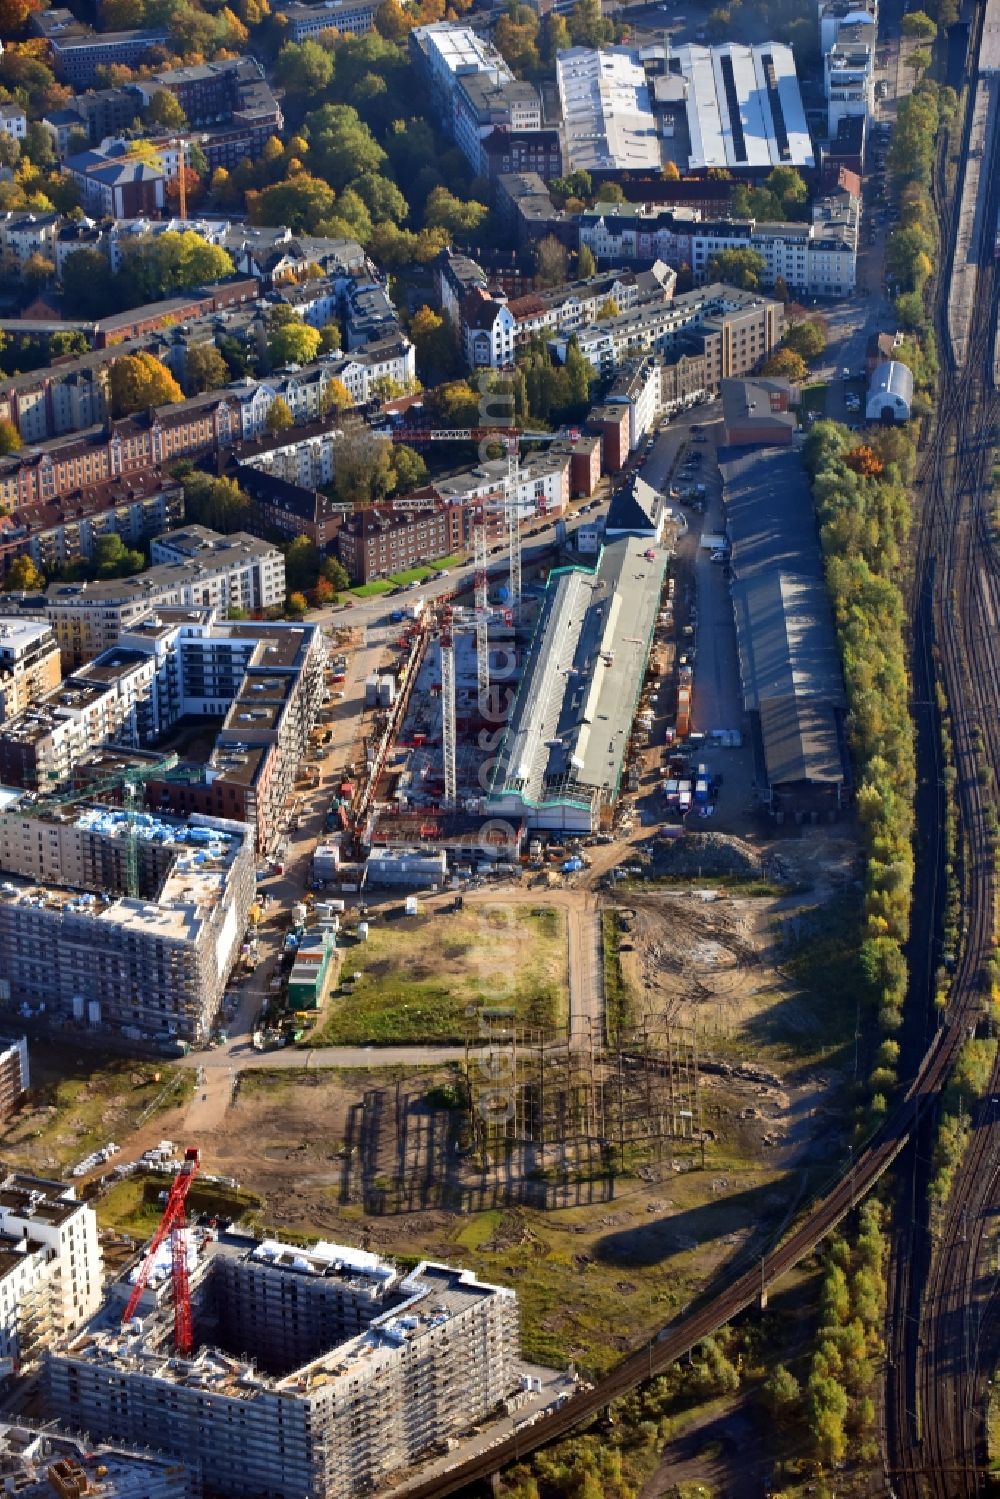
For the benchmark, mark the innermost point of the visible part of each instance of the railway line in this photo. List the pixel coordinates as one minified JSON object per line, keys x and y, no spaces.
{"x":945,"y":1316}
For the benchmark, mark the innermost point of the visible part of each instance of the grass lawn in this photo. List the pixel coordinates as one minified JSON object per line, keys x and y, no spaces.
{"x":133,"y":1206}
{"x":411,"y":575}
{"x":445,"y":562}
{"x":424,"y":977}
{"x":80,"y":1100}
{"x":371,"y":590}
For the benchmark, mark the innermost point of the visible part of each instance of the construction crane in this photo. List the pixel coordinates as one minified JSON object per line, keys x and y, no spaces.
{"x":173,"y":1224}
{"x":511,"y":438}
{"x":130,"y":780}
{"x":447,"y":645}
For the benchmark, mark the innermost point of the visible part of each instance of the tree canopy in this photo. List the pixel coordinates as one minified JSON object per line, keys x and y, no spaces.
{"x":140,"y":380}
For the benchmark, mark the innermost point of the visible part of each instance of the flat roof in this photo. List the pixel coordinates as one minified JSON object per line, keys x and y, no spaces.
{"x":607,"y":111}
{"x":572,"y":717}
{"x":744,"y":108}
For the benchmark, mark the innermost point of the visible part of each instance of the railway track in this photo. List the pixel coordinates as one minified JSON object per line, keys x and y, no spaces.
{"x":945,"y":1318}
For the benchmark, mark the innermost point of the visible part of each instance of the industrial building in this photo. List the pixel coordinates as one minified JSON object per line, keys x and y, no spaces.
{"x":790,"y":669}
{"x":759,"y":412}
{"x":316,"y":1372}
{"x":564,"y":751}
{"x":608,"y":120}
{"x":743,"y":107}
{"x":120,"y":919}
{"x":51,"y":1266}
{"x":39,"y":1462}
{"x":890,"y":393}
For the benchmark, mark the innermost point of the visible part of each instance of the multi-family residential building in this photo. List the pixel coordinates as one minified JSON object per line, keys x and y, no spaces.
{"x":342,"y":1371}
{"x":29,"y":664}
{"x":818,"y":258}
{"x":353,"y":17}
{"x":116,"y":183}
{"x":264,"y":680}
{"x":637,"y":386}
{"x":538,"y":151}
{"x":368,"y":313}
{"x":484,"y":105}
{"x":51,"y":1266}
{"x":25,"y":234}
{"x":229,"y":104}
{"x":564,"y":309}
{"x":849,"y":72}
{"x":38,"y":1462}
{"x":13,"y":121}
{"x":734,"y":330}
{"x":15,"y":1074}
{"x":78,"y":51}
{"x":218,"y":572}
{"x":445,"y":53}
{"x":151,"y":961}
{"x":68,"y":530}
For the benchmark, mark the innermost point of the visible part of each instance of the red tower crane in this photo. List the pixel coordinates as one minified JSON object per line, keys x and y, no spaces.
{"x":174,"y":1224}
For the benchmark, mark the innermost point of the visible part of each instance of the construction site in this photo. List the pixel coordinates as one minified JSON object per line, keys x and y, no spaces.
{"x":302,"y":1372}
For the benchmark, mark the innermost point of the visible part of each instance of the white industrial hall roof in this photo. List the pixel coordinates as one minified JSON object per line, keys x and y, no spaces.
{"x":744,"y":108}
{"x":606,"y":108}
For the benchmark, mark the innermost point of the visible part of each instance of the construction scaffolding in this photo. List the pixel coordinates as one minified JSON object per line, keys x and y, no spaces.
{"x":528,"y":1088}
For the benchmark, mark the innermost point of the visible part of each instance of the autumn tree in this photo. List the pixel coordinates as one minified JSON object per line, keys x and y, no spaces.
{"x":671,"y":172}
{"x":918,"y":24}
{"x":807,"y":338}
{"x":23,"y":577}
{"x":588,"y":25}
{"x":138,"y":381}
{"x":165,"y":110}
{"x":205,"y":369}
{"x":219,"y":504}
{"x":279,"y":415}
{"x":551,"y":262}
{"x":443,"y":210}
{"x":787,"y":363}
{"x":38,"y":269}
{"x":586,"y":265}
{"x":434,"y":342}
{"x":293,"y":342}
{"x":743,"y":268}
{"x":864,"y":460}
{"x":10,"y":437}
{"x":336,"y":397}
{"x":302,"y":202}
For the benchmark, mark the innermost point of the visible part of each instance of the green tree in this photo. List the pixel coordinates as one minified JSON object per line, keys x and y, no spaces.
{"x":114,"y":559}
{"x":157,"y":264}
{"x":333,"y":570}
{"x":294,"y":342}
{"x":588,"y":25}
{"x":807,"y":338}
{"x":443,"y":210}
{"x":166,"y":112}
{"x":381,"y":197}
{"x":304,"y":69}
{"x":330,"y":338}
{"x":279,"y":415}
{"x":919,"y":24}
{"x":555,"y":36}
{"x":140,"y":380}
{"x":205,"y":369}
{"x":37,"y":270}
{"x":10,"y":437}
{"x":787,"y":363}
{"x":67,"y":342}
{"x":781,"y":1392}
{"x":516,"y":38}
{"x":23,"y":577}
{"x":302,"y":560}
{"x":586,"y":265}
{"x":302,"y":202}
{"x":87,"y":285}
{"x":919,"y":60}
{"x":409,"y":468}
{"x":743,"y":268}
{"x":219,"y":504}
{"x":341,"y":147}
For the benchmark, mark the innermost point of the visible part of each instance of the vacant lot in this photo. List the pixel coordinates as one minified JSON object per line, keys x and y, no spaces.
{"x":80,"y":1100}
{"x":423,"y":978}
{"x":380,"y":1158}
{"x":133,"y":1206}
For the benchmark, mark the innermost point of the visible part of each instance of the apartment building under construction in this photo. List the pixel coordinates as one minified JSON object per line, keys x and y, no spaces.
{"x":122,"y":920}
{"x":317,"y":1373}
